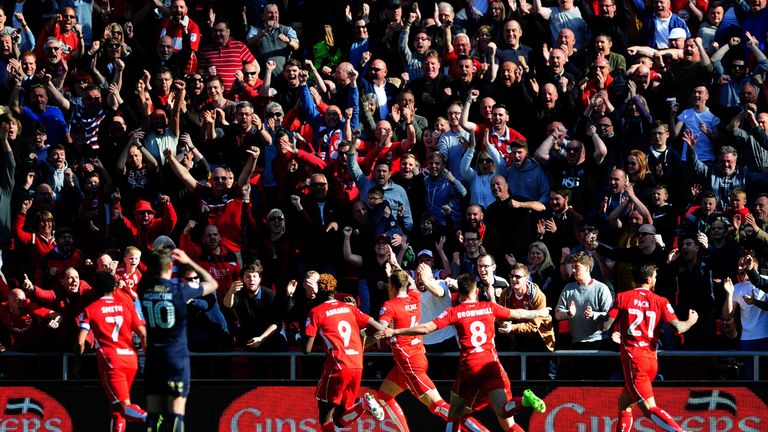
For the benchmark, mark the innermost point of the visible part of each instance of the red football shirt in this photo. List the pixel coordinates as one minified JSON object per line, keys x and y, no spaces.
{"x":474,"y":322}
{"x":112,"y":322}
{"x":339,"y":325}
{"x":639,"y":312}
{"x":130,"y":281}
{"x":404,"y":312}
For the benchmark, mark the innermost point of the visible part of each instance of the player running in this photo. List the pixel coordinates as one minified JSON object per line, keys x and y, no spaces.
{"x":480,"y":377}
{"x":113,"y":322}
{"x":339,"y":325}
{"x":403,"y":310}
{"x":639,"y":312}
{"x":164,"y":303}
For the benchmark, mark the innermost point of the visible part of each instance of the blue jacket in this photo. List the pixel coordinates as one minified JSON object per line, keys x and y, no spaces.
{"x":441,"y":192}
{"x":394,"y":194}
{"x":529,"y":181}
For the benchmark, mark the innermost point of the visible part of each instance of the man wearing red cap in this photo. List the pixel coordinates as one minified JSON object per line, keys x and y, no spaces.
{"x":145,"y":227}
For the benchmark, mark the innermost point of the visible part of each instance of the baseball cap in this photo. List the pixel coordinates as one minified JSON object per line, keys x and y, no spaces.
{"x":425,"y":252}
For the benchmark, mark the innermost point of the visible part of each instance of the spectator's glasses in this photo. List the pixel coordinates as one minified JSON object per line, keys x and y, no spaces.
{"x":516,"y":276}
{"x":573,"y":149}
{"x":113,"y":45}
{"x":192,"y":278}
{"x":604,"y":125}
{"x":53,"y":48}
{"x":219,"y":178}
{"x":738,"y":66}
{"x":485,"y":160}
{"x":471,"y":239}
{"x":67,"y":16}
{"x":250,"y":73}
{"x":274,"y":114}
{"x":276,"y":219}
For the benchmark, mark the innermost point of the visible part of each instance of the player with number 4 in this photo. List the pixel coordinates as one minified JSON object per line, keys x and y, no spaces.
{"x":339,"y":324}
{"x":164,"y":304}
{"x":481,"y":378}
{"x":639,"y":313}
{"x":113,"y":322}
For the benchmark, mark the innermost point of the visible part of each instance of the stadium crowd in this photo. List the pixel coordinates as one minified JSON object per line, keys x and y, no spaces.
{"x":544,"y":147}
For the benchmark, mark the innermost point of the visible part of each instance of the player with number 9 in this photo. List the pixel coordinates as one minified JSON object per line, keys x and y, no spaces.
{"x":113,"y":320}
{"x":339,"y":325}
{"x":480,"y":378}
{"x":639,"y":313}
{"x":164,"y":304}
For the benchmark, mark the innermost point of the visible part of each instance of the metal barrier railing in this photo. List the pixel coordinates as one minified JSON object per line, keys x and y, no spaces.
{"x":524,"y":357}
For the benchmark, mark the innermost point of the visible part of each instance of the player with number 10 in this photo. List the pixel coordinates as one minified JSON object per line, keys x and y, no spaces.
{"x":164,"y":303}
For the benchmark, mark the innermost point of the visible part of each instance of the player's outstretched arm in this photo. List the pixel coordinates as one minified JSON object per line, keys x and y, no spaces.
{"x":684,"y":326}
{"x":412,"y":331}
{"x":525,"y":314}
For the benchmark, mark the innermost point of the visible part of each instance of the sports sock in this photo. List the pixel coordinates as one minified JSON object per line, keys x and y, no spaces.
{"x":117,"y":422}
{"x":351,"y":414}
{"x":512,"y":407}
{"x":133,"y":413}
{"x":515,"y":428}
{"x":664,"y":420}
{"x":177,"y":423}
{"x":440,"y":409}
{"x":153,"y":422}
{"x":454,"y":424}
{"x":393,"y":411}
{"x":625,"y":422}
{"x":470,"y":424}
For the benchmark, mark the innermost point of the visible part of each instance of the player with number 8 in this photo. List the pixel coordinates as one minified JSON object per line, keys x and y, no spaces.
{"x":480,"y":379}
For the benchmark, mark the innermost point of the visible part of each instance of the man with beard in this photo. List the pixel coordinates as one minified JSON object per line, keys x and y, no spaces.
{"x":511,"y":218}
{"x":422,"y":43}
{"x":429,"y":90}
{"x":185,"y":36}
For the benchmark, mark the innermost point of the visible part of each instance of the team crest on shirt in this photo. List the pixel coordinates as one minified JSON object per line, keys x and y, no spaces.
{"x":383,"y":309}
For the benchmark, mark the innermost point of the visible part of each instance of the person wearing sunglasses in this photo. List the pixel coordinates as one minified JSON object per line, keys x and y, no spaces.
{"x":63,"y":27}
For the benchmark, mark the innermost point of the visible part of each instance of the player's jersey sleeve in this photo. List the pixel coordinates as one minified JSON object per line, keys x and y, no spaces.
{"x":387,"y":313}
{"x":446,"y":318}
{"x":312,"y":324}
{"x":665,"y":309}
{"x":500,"y":312}
{"x":84,"y":321}
{"x":361,"y":317}
{"x":613,"y":312}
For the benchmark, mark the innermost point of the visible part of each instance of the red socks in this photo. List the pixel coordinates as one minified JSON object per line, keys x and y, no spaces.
{"x":625,"y":422}
{"x":515,"y":428}
{"x":440,"y":409}
{"x":512,"y":407}
{"x":351,"y":414}
{"x":118,"y":422}
{"x":664,"y":420}
{"x":394,"y":411}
